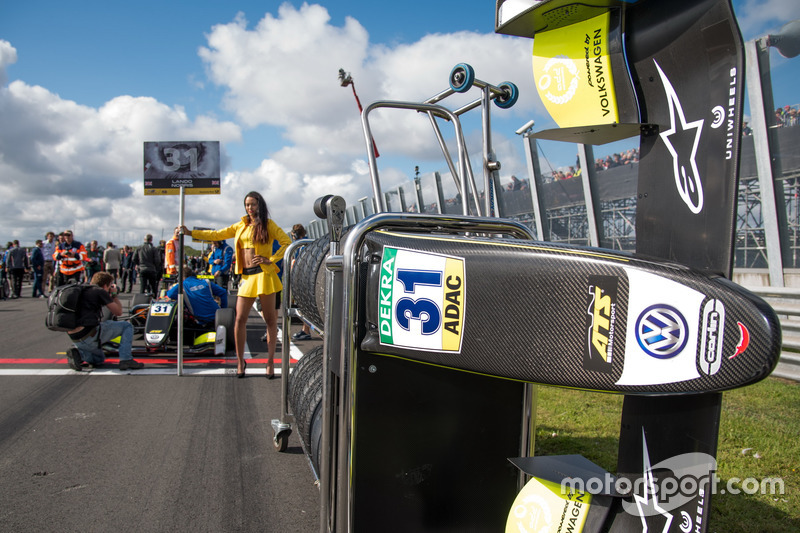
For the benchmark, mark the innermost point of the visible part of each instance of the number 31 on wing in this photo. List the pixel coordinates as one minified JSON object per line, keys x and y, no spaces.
{"x":421,"y":302}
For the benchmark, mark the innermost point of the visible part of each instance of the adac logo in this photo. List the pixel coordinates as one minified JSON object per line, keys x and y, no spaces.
{"x":661,"y":331}
{"x":682,"y":139}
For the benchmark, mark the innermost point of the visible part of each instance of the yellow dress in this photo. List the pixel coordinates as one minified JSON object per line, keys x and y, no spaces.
{"x":255,"y":284}
{"x":267,"y":282}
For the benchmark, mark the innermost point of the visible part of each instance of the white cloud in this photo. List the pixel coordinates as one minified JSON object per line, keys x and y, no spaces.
{"x":68,"y":165}
{"x":71,"y":165}
{"x":8,"y":56}
{"x":283,"y":73}
{"x":758,"y":17}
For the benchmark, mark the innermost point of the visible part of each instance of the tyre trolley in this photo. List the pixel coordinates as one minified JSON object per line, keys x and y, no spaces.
{"x":419,"y":411}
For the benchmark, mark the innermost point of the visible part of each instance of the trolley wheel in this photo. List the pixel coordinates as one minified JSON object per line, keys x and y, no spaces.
{"x":462,"y":77}
{"x":509,"y":98}
{"x":321,"y":206}
{"x":281,"y":441}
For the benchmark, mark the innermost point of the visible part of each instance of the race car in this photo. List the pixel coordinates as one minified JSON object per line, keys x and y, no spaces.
{"x":155,"y":319}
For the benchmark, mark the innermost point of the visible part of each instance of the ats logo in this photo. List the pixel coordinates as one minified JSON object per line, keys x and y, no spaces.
{"x":601,"y":317}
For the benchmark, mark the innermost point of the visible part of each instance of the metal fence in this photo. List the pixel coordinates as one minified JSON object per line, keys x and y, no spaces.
{"x":767,"y":234}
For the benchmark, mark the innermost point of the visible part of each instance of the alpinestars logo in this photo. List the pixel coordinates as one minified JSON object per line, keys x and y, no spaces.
{"x":647,"y":503}
{"x":680,"y":484}
{"x":682,"y":139}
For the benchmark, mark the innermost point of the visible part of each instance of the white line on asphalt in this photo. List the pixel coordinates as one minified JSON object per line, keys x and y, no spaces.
{"x":294,"y":353}
{"x":171,"y":371}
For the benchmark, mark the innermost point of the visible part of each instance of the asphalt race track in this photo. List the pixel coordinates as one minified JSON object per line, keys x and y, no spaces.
{"x":142,"y":450}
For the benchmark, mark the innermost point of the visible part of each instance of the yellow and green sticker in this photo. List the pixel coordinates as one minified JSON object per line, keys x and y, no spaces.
{"x":572,"y":70}
{"x":546,"y":507}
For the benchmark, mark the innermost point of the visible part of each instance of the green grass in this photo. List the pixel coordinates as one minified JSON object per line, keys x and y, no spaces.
{"x":759,"y":437}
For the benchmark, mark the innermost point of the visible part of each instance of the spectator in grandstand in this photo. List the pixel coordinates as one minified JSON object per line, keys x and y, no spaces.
{"x":615,"y":160}
{"x":70,"y":255}
{"x":111,"y":259}
{"x":253,"y":238}
{"x":37,"y":269}
{"x":779,"y":116}
{"x":629,"y":156}
{"x":789,"y":116}
{"x":515,"y":184}
{"x":48,"y":249}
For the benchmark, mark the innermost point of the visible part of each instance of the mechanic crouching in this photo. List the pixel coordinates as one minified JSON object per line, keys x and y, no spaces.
{"x":200,"y":294}
{"x":90,"y":335}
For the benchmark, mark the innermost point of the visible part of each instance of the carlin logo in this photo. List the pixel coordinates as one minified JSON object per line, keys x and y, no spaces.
{"x":709,"y":358}
{"x":683,"y":147}
{"x":744,"y":340}
{"x":661,"y":331}
{"x":601,"y":317}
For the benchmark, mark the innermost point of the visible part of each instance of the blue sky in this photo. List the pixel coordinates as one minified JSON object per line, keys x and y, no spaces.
{"x":83,"y":84}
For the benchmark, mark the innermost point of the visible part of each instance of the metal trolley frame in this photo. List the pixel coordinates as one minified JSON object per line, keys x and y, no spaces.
{"x":340,"y":350}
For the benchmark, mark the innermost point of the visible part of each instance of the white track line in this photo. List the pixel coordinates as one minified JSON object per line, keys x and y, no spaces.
{"x":294,"y":353}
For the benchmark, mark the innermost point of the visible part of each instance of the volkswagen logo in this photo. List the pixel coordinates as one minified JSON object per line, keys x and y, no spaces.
{"x":662,"y":331}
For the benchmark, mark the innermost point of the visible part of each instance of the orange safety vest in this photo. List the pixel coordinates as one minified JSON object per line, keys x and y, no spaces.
{"x":72,"y":263}
{"x":171,"y":257}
